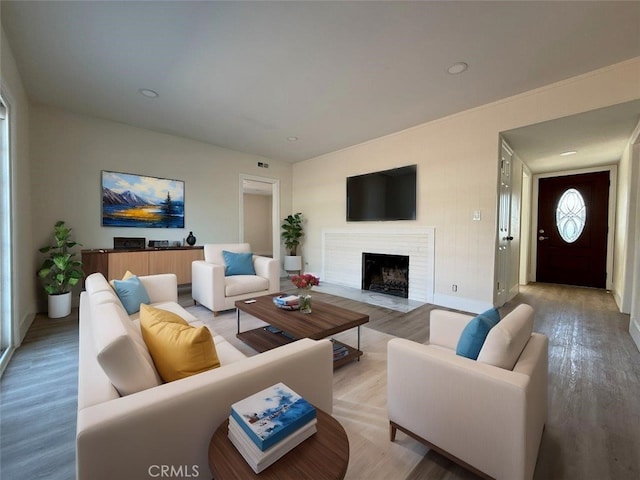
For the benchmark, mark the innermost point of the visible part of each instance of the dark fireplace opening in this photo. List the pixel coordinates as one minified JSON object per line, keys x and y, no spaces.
{"x":386,"y":274}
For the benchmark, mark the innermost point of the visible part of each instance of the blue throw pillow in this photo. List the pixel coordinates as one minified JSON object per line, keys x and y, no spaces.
{"x":131,"y":293}
{"x":238,"y":263}
{"x":475,"y":333}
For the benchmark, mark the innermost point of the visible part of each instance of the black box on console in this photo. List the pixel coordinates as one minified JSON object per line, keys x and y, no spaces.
{"x":128,"y":243}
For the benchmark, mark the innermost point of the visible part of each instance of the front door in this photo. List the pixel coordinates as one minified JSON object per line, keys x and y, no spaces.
{"x":572,"y":229}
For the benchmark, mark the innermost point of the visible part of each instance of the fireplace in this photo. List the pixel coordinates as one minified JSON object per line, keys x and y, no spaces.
{"x":386,"y":274}
{"x":342,"y":250}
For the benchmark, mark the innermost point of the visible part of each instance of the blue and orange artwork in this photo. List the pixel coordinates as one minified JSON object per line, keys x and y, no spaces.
{"x":130,"y":200}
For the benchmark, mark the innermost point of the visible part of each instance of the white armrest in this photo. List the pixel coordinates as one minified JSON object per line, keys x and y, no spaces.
{"x":446,"y":327}
{"x":172,"y":424}
{"x":162,"y":287}
{"x":268,"y":268}
{"x":207,"y":283}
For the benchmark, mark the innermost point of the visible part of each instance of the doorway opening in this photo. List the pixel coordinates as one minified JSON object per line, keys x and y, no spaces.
{"x":6,"y":283}
{"x":259,"y":214}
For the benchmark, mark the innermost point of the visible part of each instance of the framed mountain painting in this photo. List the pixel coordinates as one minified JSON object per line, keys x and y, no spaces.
{"x":130,"y":200}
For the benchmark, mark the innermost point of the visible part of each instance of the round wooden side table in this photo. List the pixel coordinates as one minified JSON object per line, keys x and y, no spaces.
{"x":323,"y":456}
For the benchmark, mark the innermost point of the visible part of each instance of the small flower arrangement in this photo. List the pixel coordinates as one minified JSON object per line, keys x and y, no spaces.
{"x":305,"y":281}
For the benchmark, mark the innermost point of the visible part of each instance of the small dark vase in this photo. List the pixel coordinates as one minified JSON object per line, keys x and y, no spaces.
{"x":191,"y":240}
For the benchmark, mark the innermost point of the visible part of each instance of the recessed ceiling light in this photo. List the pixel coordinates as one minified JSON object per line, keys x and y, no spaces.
{"x":292,"y":139}
{"x":566,"y":154}
{"x":148,"y":93}
{"x":457,"y":68}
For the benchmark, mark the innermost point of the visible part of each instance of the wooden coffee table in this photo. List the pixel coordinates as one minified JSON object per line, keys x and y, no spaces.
{"x":325,"y":320}
{"x":323,"y":456}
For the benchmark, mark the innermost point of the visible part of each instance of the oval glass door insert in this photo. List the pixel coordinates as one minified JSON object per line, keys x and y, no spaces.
{"x":571,"y":215}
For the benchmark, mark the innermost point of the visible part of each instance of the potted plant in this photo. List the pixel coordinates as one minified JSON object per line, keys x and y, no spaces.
{"x":291,"y":234}
{"x":60,"y":271}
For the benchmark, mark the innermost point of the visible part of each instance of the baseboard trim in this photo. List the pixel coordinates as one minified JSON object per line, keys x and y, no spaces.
{"x":23,"y":328}
{"x":634,"y":330}
{"x":617,"y":299}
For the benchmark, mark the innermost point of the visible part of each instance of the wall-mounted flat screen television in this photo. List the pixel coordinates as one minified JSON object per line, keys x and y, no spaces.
{"x":382,"y":196}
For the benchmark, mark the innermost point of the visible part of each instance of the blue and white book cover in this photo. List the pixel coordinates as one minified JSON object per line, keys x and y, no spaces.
{"x":287,"y":299}
{"x":272,"y":414}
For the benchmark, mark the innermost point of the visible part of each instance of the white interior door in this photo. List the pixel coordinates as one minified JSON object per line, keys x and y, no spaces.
{"x":504,"y":227}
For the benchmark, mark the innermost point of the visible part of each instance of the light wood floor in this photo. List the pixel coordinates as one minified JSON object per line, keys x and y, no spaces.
{"x":593,"y":429}
{"x":38,"y":403}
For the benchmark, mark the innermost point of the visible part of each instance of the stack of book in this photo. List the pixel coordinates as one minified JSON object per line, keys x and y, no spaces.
{"x":288,"y":302}
{"x":270,"y":423}
{"x":277,"y":331}
{"x":339,"y":350}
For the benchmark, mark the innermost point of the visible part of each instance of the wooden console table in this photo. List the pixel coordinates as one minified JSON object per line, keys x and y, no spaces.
{"x":323,"y":456}
{"x":149,"y":261}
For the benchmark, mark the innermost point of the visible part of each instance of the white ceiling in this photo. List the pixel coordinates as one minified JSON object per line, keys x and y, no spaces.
{"x":248,"y":75}
{"x":598,"y":137}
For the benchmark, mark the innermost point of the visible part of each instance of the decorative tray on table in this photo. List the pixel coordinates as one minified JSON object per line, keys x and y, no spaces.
{"x":287,"y":302}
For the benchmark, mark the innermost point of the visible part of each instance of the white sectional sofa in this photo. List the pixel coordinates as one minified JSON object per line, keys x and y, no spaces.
{"x":168,"y":425}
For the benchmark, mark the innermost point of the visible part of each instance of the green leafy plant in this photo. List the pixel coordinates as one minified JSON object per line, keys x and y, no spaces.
{"x":60,"y":271}
{"x":292,"y":233}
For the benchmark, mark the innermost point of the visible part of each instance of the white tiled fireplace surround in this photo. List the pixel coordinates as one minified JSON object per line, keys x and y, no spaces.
{"x":342,"y":256}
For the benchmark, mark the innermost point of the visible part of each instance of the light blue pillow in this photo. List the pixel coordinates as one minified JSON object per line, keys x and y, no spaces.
{"x":131,"y":293}
{"x":475,"y":333}
{"x":238,"y":263}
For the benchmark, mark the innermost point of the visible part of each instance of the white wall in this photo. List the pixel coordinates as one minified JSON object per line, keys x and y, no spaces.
{"x":625,"y":239}
{"x":68,"y":152}
{"x":24,"y":279}
{"x":525,"y":227}
{"x":627,"y":292}
{"x":634,"y":320}
{"x":457,"y":174}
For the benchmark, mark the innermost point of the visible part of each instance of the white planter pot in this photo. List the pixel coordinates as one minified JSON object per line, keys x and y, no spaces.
{"x":292,"y":263}
{"x":59,"y":305}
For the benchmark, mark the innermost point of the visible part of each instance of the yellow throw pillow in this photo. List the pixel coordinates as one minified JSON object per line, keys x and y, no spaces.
{"x":127,"y":275}
{"x":178,"y":350}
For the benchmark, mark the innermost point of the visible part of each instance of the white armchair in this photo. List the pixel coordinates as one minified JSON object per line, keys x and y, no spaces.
{"x":211,"y":288}
{"x":485,"y":417}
